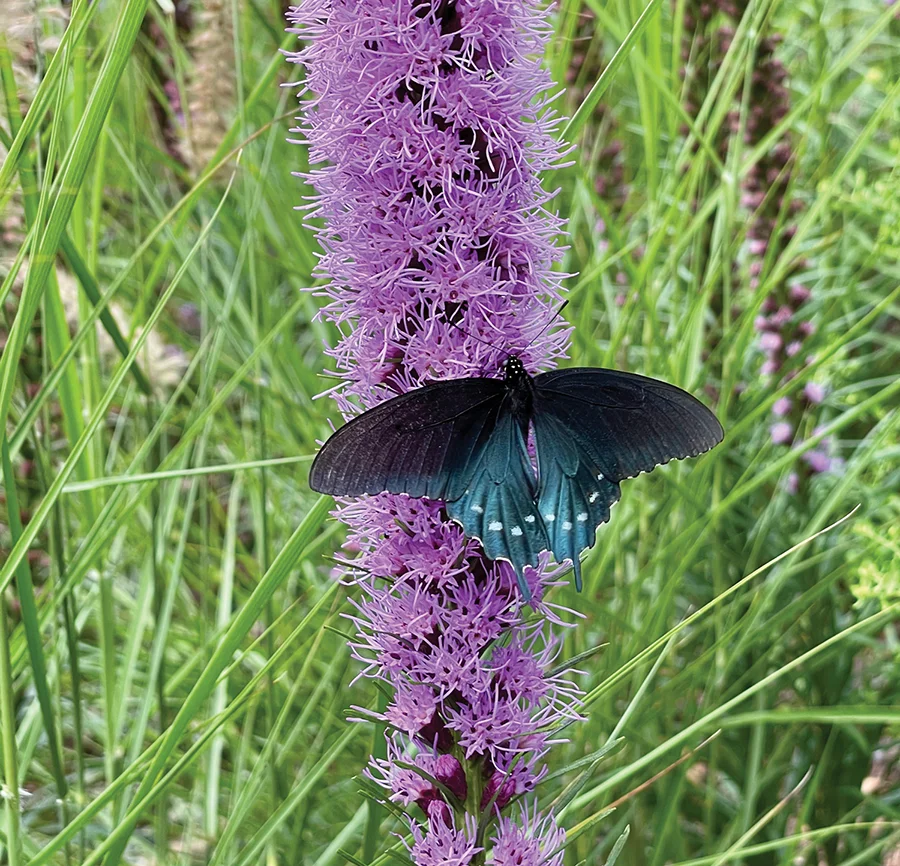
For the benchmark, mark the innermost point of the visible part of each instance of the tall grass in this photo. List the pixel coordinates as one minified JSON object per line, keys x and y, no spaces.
{"x":174,"y":672}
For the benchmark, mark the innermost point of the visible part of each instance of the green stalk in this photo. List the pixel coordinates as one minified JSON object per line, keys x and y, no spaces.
{"x":25,"y":592}
{"x":9,"y":792}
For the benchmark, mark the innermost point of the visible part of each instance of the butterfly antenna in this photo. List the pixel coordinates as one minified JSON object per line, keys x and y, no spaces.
{"x":507,"y":353}
{"x":546,"y":327}
{"x":477,"y":339}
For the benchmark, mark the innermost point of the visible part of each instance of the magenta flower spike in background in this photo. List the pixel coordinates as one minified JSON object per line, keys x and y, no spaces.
{"x":427,"y":133}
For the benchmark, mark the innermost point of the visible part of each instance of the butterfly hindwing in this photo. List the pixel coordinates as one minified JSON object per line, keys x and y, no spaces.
{"x":574,"y":495}
{"x":498,"y":505}
{"x":423,"y":443}
{"x":594,"y":428}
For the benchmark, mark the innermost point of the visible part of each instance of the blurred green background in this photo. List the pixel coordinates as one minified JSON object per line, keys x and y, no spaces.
{"x":174,"y":671}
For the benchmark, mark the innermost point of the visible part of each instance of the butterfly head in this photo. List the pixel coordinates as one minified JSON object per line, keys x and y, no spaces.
{"x":514,"y":372}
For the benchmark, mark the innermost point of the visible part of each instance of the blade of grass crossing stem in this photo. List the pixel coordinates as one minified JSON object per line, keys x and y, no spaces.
{"x":99,"y":416}
{"x":115,"y":513}
{"x":76,"y":567}
{"x":782,"y":842}
{"x":69,"y":183}
{"x":350,"y":830}
{"x":187,"y":472}
{"x":187,"y":200}
{"x":40,"y":103}
{"x":589,"y":103}
{"x":276,"y":745}
{"x":92,"y":290}
{"x":202,"y":689}
{"x":676,"y":109}
{"x":598,"y":691}
{"x":623,"y":720}
{"x":295,"y":798}
{"x":54,"y":322}
{"x":141,"y":717}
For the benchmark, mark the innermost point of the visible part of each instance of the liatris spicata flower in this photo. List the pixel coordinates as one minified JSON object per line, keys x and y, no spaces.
{"x":784,"y":323}
{"x":427,"y":133}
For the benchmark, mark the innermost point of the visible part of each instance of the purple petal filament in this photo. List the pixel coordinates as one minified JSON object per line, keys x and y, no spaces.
{"x":427,"y":126}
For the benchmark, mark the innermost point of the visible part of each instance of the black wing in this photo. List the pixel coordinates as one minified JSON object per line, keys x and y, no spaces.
{"x":498,"y":504}
{"x":594,"y":428}
{"x":421,"y":443}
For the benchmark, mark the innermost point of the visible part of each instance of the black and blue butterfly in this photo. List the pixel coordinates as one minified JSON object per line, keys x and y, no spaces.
{"x":464,"y":441}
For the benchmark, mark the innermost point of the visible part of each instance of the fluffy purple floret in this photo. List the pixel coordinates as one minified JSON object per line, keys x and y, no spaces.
{"x":442,"y":844}
{"x":533,"y":840}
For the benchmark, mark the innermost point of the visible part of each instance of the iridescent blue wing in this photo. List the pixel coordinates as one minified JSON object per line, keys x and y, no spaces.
{"x":424,"y":443}
{"x":498,"y":504}
{"x":594,"y":428}
{"x":575,"y":495}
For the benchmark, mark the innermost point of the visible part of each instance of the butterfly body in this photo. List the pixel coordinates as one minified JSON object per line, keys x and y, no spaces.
{"x":465,"y":441}
{"x":520,"y":391}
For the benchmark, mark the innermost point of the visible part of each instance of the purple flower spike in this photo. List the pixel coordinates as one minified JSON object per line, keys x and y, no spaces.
{"x":427,"y":126}
{"x":818,"y":461}
{"x":770,"y":342}
{"x":783,"y":324}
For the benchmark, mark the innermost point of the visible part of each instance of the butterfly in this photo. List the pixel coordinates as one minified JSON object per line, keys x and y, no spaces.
{"x":465,"y":441}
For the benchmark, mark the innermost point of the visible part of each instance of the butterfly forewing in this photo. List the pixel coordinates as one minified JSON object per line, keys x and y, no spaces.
{"x":627,"y":423}
{"x":421,"y":443}
{"x":498,"y":504}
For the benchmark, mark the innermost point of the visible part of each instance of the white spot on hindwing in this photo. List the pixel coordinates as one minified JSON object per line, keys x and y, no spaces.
{"x":582,"y":517}
{"x":496,"y":525}
{"x":529,"y":518}
{"x":549,"y":518}
{"x":516,"y":530}
{"x":593,"y":496}
{"x":567,"y":525}
{"x":600,"y":476}
{"x":477,"y":509}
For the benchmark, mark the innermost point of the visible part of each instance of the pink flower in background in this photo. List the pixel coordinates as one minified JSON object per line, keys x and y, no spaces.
{"x":814,"y":392}
{"x":782,"y":407}
{"x":781,"y":433}
{"x":427,"y":131}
